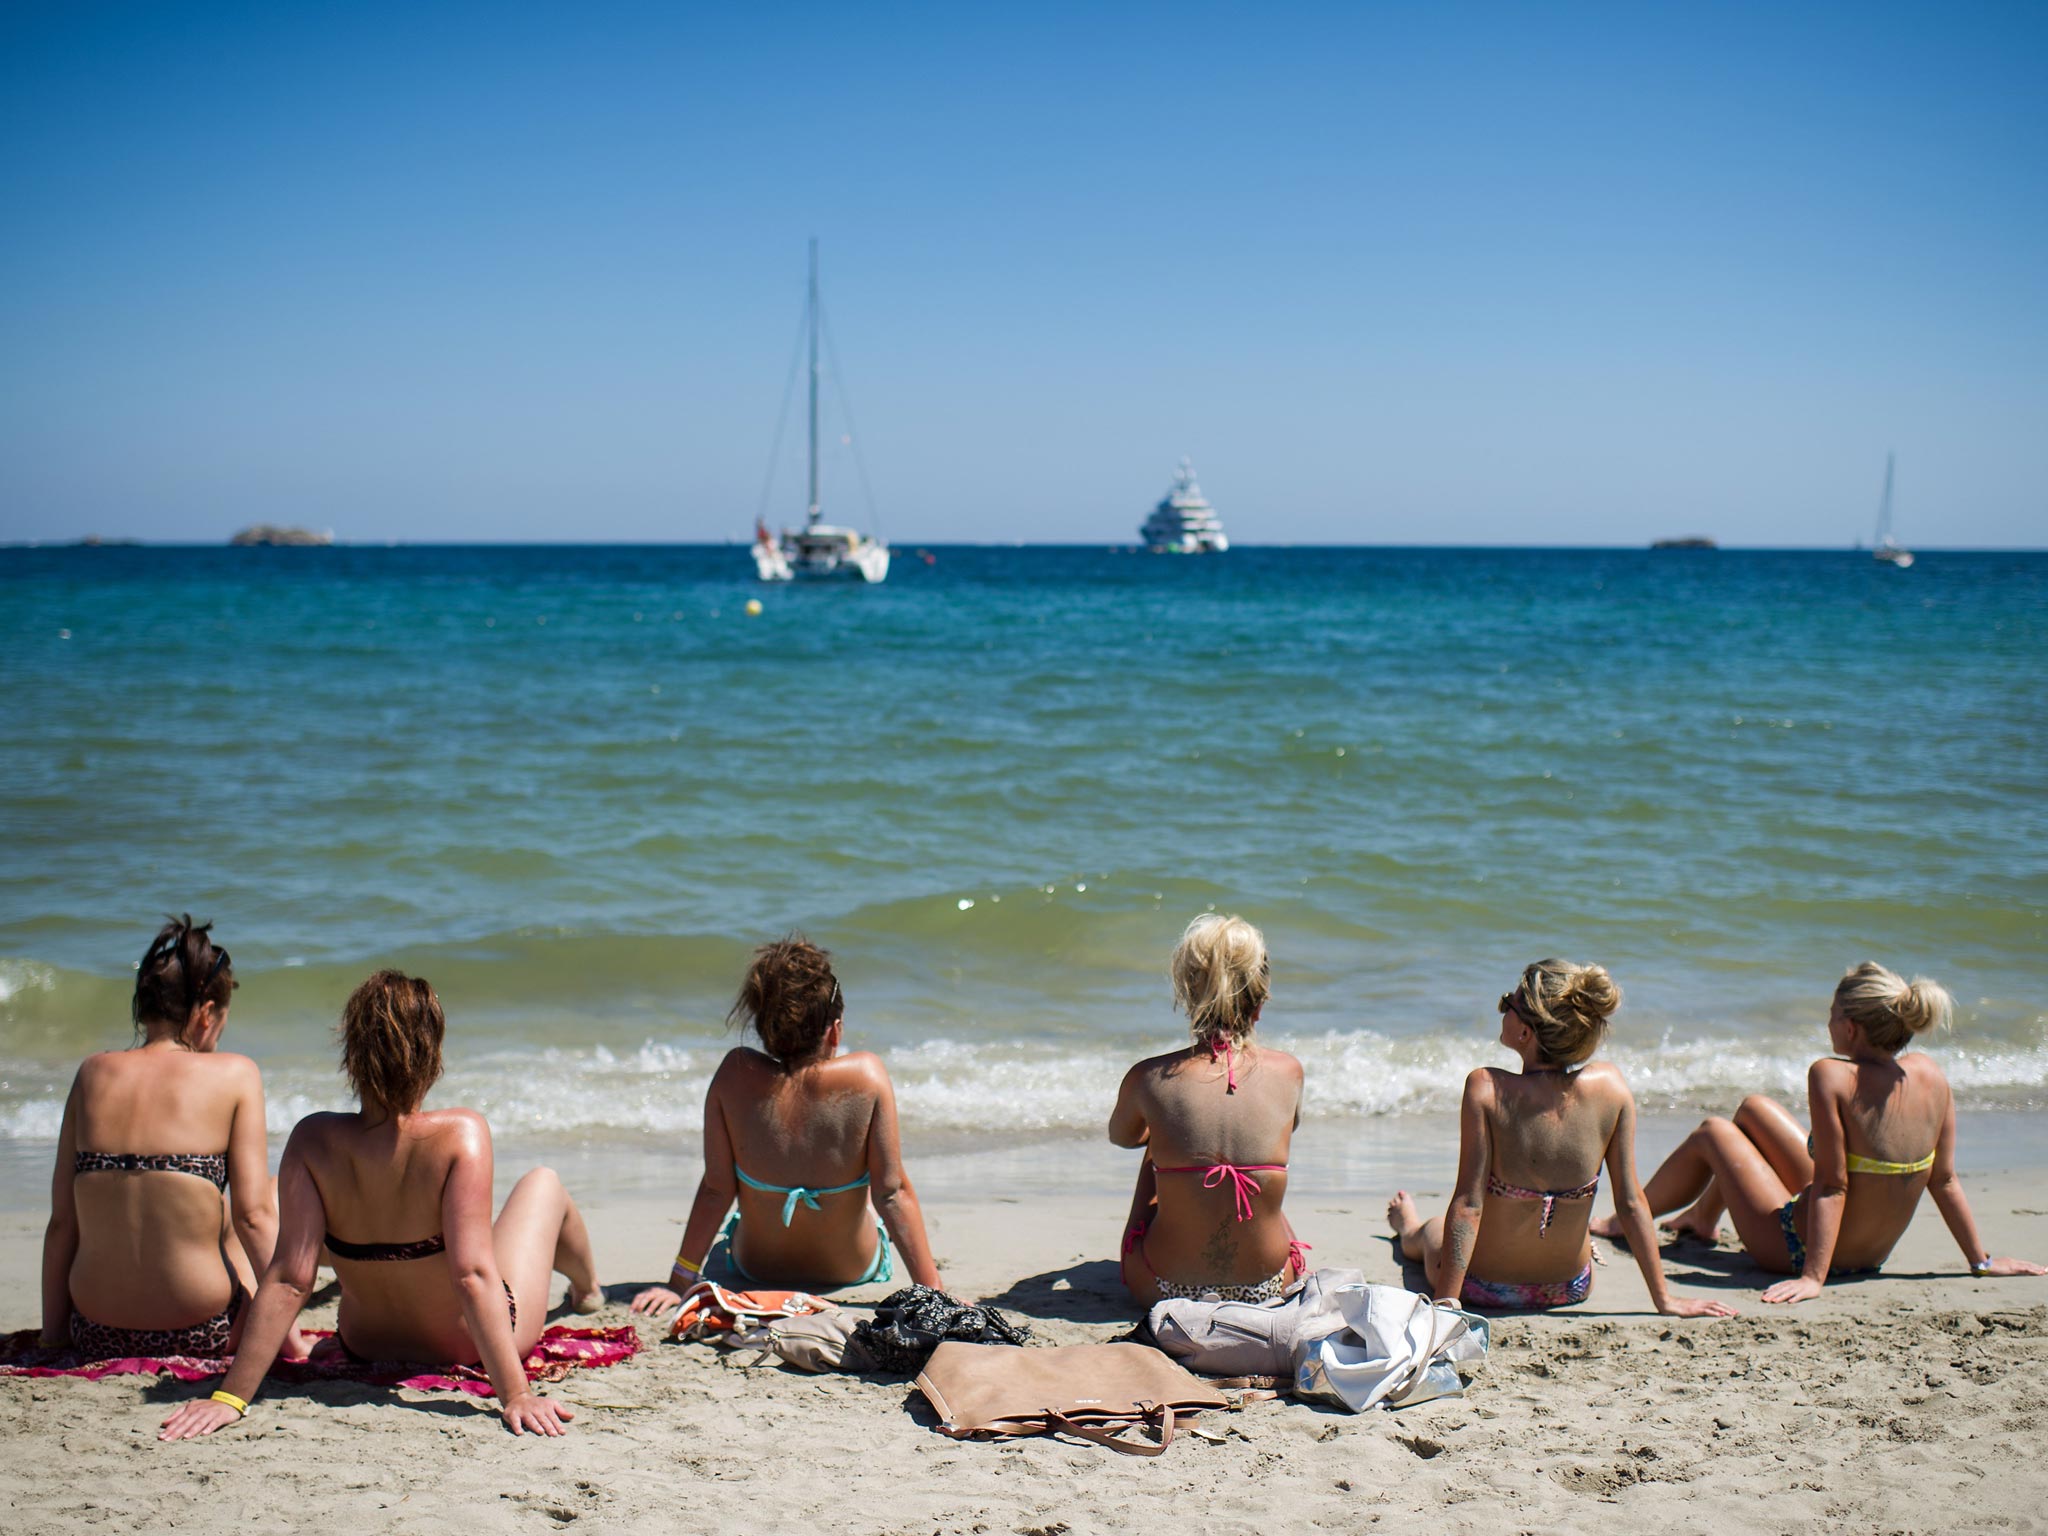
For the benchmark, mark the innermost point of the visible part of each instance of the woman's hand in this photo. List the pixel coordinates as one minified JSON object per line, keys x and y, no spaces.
{"x":1798,"y":1288}
{"x":1696,"y":1306}
{"x":196,"y":1419}
{"x":542,"y":1415}
{"x":2011,"y":1267}
{"x":655,"y":1300}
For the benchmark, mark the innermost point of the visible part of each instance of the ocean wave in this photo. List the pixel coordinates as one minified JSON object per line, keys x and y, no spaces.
{"x":597,"y":1093}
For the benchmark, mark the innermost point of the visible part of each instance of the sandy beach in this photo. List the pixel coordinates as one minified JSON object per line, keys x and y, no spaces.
{"x":1905,"y":1403}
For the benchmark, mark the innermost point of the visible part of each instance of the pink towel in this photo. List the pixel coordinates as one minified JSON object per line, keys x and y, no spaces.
{"x":559,"y":1351}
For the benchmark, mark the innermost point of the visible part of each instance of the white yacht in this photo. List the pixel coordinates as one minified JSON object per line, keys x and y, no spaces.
{"x":1184,"y":523}
{"x":1888,"y":549}
{"x":818,"y":551}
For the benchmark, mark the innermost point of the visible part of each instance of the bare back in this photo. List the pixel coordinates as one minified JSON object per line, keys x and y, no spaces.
{"x":402,"y":1180}
{"x":154,"y":1248}
{"x":1891,"y":1111}
{"x":818,"y":1126}
{"x":1190,"y":1117}
{"x":1545,"y":1132}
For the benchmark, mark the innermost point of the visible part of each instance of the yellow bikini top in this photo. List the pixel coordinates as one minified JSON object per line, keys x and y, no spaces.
{"x":1861,"y":1164}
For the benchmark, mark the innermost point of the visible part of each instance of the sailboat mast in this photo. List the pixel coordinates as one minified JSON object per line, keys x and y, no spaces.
{"x":814,"y":380}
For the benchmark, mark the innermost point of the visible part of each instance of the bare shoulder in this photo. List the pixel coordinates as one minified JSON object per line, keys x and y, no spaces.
{"x":1482,"y":1086}
{"x":459,"y":1132}
{"x":859,"y":1069}
{"x":1281,"y":1062}
{"x":1603,"y":1080}
{"x":1923,"y":1071}
{"x":1832,"y":1074}
{"x":743,"y":1066}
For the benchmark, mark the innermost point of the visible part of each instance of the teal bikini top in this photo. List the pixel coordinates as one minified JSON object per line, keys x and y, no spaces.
{"x":796,"y":1192}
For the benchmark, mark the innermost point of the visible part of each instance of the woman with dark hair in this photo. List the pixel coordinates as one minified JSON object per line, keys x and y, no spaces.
{"x":399,"y":1199}
{"x":161,"y":1209}
{"x":805,"y":1140}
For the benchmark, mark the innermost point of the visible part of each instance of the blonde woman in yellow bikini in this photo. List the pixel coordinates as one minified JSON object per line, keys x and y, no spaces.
{"x":1884,"y":1130}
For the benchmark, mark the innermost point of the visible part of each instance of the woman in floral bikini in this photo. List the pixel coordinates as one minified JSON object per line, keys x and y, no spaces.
{"x":1530,"y":1147}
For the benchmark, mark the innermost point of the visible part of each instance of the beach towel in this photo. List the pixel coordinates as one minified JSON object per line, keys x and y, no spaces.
{"x":710,"y":1310}
{"x":559,"y":1351}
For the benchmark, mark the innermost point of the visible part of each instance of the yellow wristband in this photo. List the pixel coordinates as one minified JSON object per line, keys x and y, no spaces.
{"x":241,"y":1408}
{"x":686,"y":1266}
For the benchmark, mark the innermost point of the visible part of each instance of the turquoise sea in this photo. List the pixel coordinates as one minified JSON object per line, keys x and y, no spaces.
{"x":573,"y":786}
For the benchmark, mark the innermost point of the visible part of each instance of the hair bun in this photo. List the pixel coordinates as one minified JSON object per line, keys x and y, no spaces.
{"x":1924,"y":1005}
{"x":1591,"y":992}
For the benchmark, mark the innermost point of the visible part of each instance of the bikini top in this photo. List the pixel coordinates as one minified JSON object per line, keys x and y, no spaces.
{"x":796,"y":1192}
{"x":1858,"y":1163}
{"x":1239,"y":1175}
{"x":210,"y":1166}
{"x":1502,"y":1190}
{"x":375,"y":1253}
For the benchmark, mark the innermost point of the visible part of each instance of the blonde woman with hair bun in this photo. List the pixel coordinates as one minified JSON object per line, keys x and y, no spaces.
{"x":1531,"y":1144}
{"x":1835,"y":1201}
{"x":1215,"y":1120}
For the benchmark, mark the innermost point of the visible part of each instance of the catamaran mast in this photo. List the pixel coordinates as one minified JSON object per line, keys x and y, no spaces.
{"x":814,"y":380}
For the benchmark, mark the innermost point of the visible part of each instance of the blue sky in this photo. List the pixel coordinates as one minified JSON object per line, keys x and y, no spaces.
{"x":1388,"y":274}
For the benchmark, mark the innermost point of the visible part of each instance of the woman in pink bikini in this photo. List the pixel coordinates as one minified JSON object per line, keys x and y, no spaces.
{"x":1215,"y":1120}
{"x":1530,"y":1147}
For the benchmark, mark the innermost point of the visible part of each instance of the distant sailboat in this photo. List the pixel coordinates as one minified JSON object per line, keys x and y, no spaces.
{"x":1888,"y":549}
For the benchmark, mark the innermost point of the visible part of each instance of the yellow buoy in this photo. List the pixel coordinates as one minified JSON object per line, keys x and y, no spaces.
{"x":753,"y":607}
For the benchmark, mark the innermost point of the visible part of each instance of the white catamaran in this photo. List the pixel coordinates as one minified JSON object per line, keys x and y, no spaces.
{"x":1887,"y":548}
{"x":818,"y":551}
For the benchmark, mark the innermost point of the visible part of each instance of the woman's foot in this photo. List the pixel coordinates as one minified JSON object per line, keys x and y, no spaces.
{"x":1402,"y":1215}
{"x":583,"y":1303}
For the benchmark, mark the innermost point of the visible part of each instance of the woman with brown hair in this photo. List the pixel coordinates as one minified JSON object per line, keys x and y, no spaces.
{"x":1531,"y":1144}
{"x":805,"y":1141}
{"x":399,"y":1198}
{"x":161,"y":1209}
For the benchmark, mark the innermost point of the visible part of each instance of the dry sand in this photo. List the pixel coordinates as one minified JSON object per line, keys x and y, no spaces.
{"x":1911,"y":1402}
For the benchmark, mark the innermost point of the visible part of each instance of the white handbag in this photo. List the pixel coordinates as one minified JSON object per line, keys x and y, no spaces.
{"x":1396,"y":1348}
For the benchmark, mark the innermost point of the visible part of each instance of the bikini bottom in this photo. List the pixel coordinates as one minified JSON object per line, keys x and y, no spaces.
{"x":1265,"y":1290}
{"x":199,"y":1341}
{"x":1795,"y":1250}
{"x":726,"y":1245}
{"x":1527,"y":1295}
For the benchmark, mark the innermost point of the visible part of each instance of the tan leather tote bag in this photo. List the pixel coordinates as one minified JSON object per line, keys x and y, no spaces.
{"x":1091,"y":1391}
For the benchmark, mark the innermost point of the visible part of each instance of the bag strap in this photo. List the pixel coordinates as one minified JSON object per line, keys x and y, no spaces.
{"x":1162,"y":1417}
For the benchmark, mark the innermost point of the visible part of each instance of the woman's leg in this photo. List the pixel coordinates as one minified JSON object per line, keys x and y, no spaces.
{"x":1780,"y":1138}
{"x":539,"y":1232}
{"x":1422,"y":1242}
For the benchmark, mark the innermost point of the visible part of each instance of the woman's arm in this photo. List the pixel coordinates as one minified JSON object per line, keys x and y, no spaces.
{"x":889,"y":1186}
{"x":473,"y":1266}
{"x":1127,"y":1127}
{"x":1954,"y":1206}
{"x":1829,"y":1191}
{"x":253,"y":1200}
{"x":1468,"y":1200}
{"x":717,"y":1188}
{"x":60,"y":1238}
{"x":1633,"y":1211}
{"x":280,"y":1297}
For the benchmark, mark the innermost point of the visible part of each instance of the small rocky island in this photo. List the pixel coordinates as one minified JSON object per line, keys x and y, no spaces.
{"x":1690,"y":541}
{"x":273,"y":534}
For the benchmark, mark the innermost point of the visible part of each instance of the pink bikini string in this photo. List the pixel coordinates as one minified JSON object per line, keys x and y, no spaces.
{"x":1229,"y":1070}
